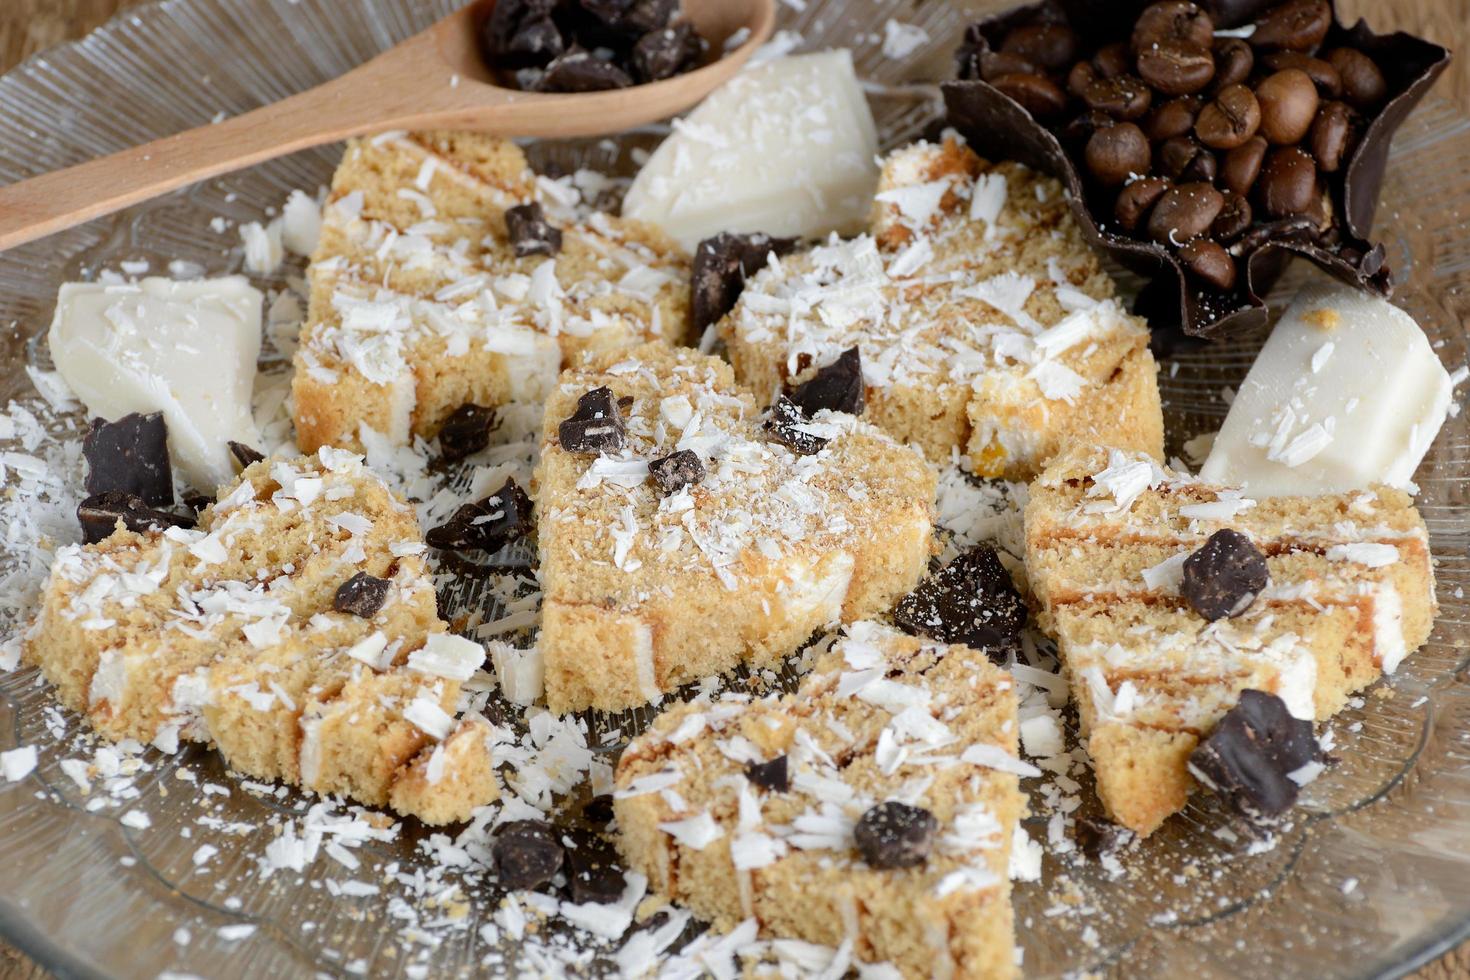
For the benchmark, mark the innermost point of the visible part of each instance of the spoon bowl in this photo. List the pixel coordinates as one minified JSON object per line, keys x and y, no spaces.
{"x":436,"y":79}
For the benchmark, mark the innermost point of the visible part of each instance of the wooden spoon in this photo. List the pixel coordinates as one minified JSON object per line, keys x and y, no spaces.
{"x":434,"y":80}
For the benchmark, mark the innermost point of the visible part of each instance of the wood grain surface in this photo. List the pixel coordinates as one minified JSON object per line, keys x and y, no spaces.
{"x":29,"y":26}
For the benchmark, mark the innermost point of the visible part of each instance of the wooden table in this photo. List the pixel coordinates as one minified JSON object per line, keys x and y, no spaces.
{"x":28,"y":26}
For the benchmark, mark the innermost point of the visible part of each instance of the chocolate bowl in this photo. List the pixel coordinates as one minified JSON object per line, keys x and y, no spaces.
{"x":1001,"y":127}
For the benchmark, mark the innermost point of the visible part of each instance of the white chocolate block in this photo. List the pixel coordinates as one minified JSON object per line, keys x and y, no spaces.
{"x":1345,"y":394}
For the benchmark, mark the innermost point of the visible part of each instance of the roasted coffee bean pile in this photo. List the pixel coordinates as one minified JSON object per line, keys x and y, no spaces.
{"x":588,"y":45}
{"x":1207,"y":142}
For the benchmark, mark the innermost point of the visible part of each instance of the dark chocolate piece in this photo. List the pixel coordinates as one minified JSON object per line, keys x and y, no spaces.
{"x":1096,"y":836}
{"x":196,"y":501}
{"x":530,"y":234}
{"x":487,"y":525}
{"x":593,"y":869}
{"x":787,"y":426}
{"x":519,"y":33}
{"x":598,"y":810}
{"x":837,"y":386}
{"x":130,"y":456}
{"x":721,"y":265}
{"x":677,"y":471}
{"x":361,"y":595}
{"x":527,"y":853}
{"x":244,"y":455}
{"x":580,"y":70}
{"x":1224,"y":576}
{"x":971,"y":601}
{"x":895,"y":835}
{"x":773,"y":775}
{"x":99,"y":514}
{"x":596,"y":426}
{"x":465,"y":432}
{"x":666,"y":52}
{"x":1249,"y":756}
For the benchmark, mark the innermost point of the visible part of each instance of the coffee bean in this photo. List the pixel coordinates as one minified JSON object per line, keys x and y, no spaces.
{"x":1173,"y":118}
{"x":1288,"y":182}
{"x":1203,"y":167}
{"x":1125,"y":97}
{"x":1322,"y":74}
{"x":895,"y":835}
{"x":993,"y":64}
{"x":1184,"y":212}
{"x":1116,"y":153}
{"x":1363,"y":84}
{"x":1176,"y":68}
{"x":1234,"y":61}
{"x":1288,"y":106}
{"x":1037,"y":94}
{"x":1243,"y":164}
{"x":1111,"y":60}
{"x":1161,"y":23}
{"x":1183,"y":160}
{"x":1082,"y":75}
{"x":1208,"y":262}
{"x":1233,"y":220}
{"x":1080,"y":130}
{"x":1297,"y":25}
{"x":1135,"y":200}
{"x":1230,"y":120}
{"x":1052,"y":46}
{"x":1332,"y":136}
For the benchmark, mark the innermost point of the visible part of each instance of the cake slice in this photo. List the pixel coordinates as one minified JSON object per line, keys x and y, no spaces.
{"x":426,"y":296}
{"x":985,"y":323}
{"x":872,"y":810}
{"x":295,"y":630}
{"x":1349,"y":594}
{"x":650,"y":581}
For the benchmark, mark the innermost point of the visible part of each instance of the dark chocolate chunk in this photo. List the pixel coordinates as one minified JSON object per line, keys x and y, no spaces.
{"x":596,"y":426}
{"x":519,"y":33}
{"x":361,"y":595}
{"x":787,"y":425}
{"x":487,"y":525}
{"x":465,"y":432}
{"x":837,"y":386}
{"x":530,"y":234}
{"x":580,"y":70}
{"x":677,"y":471}
{"x":598,"y":810}
{"x":1249,"y":756}
{"x":131,"y":456}
{"x":196,"y":501}
{"x":1224,"y":576}
{"x":649,"y":15}
{"x":895,"y":835}
{"x":971,"y":601}
{"x":1096,"y":836}
{"x":594,"y":872}
{"x":721,"y":265}
{"x":99,"y":514}
{"x":772,"y":775}
{"x":666,"y":52}
{"x":527,"y":853}
{"x":245,"y":455}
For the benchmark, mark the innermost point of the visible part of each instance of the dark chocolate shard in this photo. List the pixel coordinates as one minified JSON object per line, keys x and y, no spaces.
{"x":598,"y":810}
{"x":465,"y":432}
{"x":972,"y":600}
{"x":596,"y":426}
{"x":998,"y":127}
{"x":527,"y":853}
{"x":773,"y":775}
{"x":721,"y":265}
{"x":519,"y":33}
{"x":99,"y":514}
{"x":196,"y":501}
{"x":675,"y":472}
{"x":487,"y":525}
{"x":895,"y":835}
{"x":666,"y":52}
{"x":1224,"y":576}
{"x":837,"y":387}
{"x":1096,"y":836}
{"x":580,"y":70}
{"x":361,"y":595}
{"x":593,"y":870}
{"x":130,"y":456}
{"x":245,"y":455}
{"x":530,"y":234}
{"x":1250,"y":756}
{"x":788,"y":425}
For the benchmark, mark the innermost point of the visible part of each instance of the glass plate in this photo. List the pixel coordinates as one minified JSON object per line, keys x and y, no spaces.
{"x":1371,"y":878}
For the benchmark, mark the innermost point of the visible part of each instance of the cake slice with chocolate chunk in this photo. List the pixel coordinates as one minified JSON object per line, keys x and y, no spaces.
{"x":294,"y":629}
{"x":872,"y":810}
{"x":448,"y":274}
{"x":684,"y":530}
{"x":1169,"y":596}
{"x":984,"y":322}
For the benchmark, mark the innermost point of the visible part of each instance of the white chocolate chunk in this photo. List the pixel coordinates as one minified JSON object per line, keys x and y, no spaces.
{"x":788,"y":148}
{"x":1345,"y":394}
{"x":187,"y":349}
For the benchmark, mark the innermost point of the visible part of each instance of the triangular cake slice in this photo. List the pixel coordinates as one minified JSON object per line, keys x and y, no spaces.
{"x":420,"y":302}
{"x":646,"y":588}
{"x":985,"y":323}
{"x":1350,"y":594}
{"x":872,"y":810}
{"x":231,"y":635}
